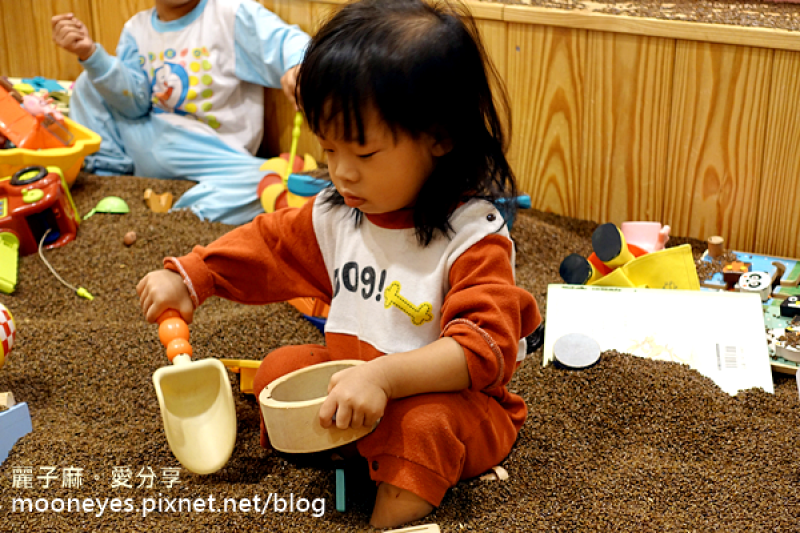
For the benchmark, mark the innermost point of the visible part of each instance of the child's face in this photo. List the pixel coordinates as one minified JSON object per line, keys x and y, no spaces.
{"x":384,"y":174}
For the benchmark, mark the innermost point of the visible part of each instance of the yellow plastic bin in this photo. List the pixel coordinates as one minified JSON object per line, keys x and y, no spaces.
{"x":69,"y":159}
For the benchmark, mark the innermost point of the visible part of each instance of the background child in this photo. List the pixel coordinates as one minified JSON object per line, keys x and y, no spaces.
{"x":416,"y":262}
{"x":184,"y":98}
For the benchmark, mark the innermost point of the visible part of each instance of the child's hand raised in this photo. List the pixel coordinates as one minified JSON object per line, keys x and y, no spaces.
{"x":289,"y":84}
{"x":161,"y":290}
{"x":357,"y":396}
{"x":72,"y":35}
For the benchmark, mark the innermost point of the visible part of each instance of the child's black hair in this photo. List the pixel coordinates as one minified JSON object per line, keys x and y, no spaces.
{"x":421,"y":65}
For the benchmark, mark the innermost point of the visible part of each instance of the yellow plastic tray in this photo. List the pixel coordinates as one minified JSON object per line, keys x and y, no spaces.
{"x":69,"y":159}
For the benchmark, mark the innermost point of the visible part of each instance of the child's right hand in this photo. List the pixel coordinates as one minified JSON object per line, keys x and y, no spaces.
{"x":72,"y":35}
{"x":161,"y":290}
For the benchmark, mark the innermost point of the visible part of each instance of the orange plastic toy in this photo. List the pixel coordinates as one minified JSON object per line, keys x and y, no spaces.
{"x":24,"y":129}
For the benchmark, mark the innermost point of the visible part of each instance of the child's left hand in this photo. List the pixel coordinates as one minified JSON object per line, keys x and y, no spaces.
{"x":357,"y":396}
{"x":289,"y":84}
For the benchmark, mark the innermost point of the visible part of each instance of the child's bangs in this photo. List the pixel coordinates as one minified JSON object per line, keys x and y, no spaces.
{"x":333,"y":99}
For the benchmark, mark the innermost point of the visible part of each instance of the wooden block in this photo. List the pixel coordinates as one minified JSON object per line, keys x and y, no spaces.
{"x":790,"y":307}
{"x":733,"y":271}
{"x":158,"y":203}
{"x":7,"y":400}
{"x":497,"y":473}
{"x":716,"y":246}
{"x":425,"y":528}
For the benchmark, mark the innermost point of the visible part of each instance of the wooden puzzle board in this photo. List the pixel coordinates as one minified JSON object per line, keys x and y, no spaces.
{"x":790,"y":286}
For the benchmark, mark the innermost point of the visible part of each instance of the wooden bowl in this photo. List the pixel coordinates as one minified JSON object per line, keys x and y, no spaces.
{"x":290,"y":406}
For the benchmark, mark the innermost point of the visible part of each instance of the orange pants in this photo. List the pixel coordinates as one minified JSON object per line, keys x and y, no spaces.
{"x":424,"y":443}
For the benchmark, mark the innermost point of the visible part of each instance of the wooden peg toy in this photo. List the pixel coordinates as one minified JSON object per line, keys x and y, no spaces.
{"x":158,"y":203}
{"x":716,"y":246}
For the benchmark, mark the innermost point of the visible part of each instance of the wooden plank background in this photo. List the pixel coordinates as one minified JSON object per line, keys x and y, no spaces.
{"x":614,"y":119}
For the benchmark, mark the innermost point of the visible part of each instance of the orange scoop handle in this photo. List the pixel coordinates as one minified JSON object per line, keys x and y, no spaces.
{"x":174,"y":334}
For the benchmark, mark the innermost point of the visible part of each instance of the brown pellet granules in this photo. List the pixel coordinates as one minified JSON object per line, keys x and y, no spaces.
{"x":627,"y":445}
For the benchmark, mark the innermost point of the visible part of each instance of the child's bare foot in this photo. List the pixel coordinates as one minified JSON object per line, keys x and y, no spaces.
{"x":395,"y":506}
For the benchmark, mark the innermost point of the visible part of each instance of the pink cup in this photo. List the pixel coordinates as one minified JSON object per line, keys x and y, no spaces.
{"x":649,"y":236}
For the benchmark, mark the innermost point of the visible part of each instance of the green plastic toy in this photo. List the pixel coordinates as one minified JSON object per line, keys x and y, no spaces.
{"x":110,"y":204}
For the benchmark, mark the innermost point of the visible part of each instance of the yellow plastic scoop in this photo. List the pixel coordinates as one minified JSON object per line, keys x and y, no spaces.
{"x":196,"y":402}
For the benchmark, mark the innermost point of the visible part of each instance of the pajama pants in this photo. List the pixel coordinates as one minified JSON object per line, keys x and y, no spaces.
{"x":151,"y":147}
{"x":424,"y":443}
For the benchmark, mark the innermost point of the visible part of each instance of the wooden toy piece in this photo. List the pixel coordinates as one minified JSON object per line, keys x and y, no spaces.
{"x":7,"y":400}
{"x":716,"y":246}
{"x":792,"y":279}
{"x":786,"y":343}
{"x":196,"y":402}
{"x":733,"y":271}
{"x":757,"y":282}
{"x":425,"y":528}
{"x":790,"y":307}
{"x":290,"y":406}
{"x":780,"y":270}
{"x":497,"y":473}
{"x":158,"y":203}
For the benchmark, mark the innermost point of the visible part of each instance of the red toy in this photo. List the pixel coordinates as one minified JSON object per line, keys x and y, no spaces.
{"x":34,"y":200}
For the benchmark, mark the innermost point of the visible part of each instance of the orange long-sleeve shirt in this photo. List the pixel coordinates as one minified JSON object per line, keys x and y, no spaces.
{"x":278,"y":257}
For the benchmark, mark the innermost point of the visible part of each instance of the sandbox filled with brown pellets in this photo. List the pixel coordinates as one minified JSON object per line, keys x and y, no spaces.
{"x":771,"y":14}
{"x":627,"y":445}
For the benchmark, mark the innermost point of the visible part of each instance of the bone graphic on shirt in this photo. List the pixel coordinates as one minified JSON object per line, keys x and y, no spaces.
{"x":419,"y":315}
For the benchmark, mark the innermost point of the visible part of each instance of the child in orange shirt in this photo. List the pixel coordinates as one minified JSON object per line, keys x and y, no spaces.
{"x":407,"y":246}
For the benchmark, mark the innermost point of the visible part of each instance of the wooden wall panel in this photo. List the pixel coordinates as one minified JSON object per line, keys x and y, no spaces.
{"x":717,"y":128}
{"x":279,"y":114}
{"x":546,"y":66}
{"x":494,"y":34}
{"x":110,"y":17}
{"x":608,"y":125}
{"x":27,"y":32}
{"x":778,"y":227}
{"x":5,"y":46}
{"x":292,"y":11}
{"x":321,"y":13}
{"x":625,"y":131}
